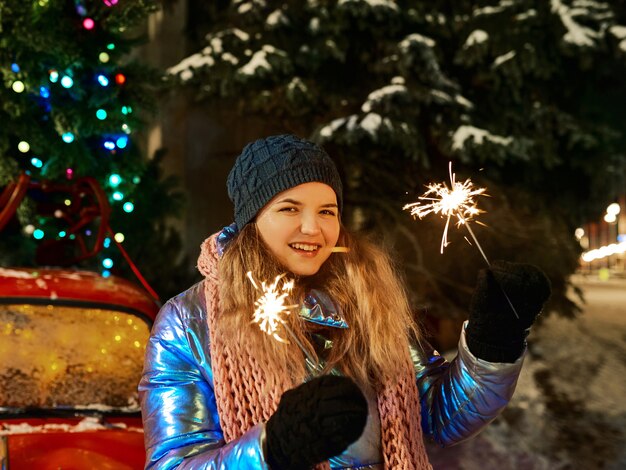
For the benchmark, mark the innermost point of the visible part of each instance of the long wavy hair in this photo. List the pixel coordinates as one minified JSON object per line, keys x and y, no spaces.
{"x":363,"y":282}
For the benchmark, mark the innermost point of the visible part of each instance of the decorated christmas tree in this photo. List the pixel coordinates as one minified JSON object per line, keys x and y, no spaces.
{"x":525,"y":97}
{"x":71,"y":104}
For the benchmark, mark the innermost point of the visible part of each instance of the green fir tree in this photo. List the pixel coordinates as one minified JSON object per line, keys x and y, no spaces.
{"x":71,"y":104}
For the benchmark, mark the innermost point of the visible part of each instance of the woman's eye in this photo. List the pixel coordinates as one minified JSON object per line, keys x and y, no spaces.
{"x":287,"y":209}
{"x":328,"y":212}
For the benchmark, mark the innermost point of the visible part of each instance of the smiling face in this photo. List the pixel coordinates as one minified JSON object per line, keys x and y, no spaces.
{"x":300,"y":226}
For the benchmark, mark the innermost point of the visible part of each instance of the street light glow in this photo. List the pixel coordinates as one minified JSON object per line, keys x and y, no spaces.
{"x":604,"y":251}
{"x":613,"y":209}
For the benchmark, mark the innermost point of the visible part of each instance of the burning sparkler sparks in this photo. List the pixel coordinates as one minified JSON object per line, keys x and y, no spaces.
{"x":270,"y":311}
{"x":270,"y":307}
{"x":457,"y":201}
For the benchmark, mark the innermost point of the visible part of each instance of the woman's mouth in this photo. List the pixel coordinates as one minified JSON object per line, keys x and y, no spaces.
{"x":305,"y":247}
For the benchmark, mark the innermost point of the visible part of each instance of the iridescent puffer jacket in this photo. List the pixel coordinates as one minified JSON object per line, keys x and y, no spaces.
{"x":181,"y":422}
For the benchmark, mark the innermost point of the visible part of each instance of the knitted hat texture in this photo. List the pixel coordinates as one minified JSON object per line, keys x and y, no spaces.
{"x":274,"y":164}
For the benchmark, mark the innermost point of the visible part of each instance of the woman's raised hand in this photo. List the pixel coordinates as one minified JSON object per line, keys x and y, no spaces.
{"x":494,"y":333}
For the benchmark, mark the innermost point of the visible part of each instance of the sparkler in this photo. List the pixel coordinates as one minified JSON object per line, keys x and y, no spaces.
{"x":457,"y":201}
{"x":270,"y":311}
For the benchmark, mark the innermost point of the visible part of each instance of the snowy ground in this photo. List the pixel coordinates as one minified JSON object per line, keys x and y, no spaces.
{"x":569,"y":409}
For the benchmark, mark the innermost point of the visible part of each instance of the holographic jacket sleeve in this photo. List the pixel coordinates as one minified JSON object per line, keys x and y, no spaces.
{"x":181,"y":422}
{"x":459,"y":398}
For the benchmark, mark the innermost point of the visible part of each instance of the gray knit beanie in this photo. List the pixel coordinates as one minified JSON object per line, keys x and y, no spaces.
{"x":271,"y":165}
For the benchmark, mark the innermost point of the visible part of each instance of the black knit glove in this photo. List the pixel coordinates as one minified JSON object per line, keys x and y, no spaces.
{"x":315,"y":421}
{"x":494,"y":333}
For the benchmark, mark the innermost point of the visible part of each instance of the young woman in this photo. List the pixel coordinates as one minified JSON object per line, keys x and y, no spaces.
{"x":217,"y":392}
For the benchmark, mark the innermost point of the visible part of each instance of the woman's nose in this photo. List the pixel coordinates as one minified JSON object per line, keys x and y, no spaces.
{"x":309,"y":225}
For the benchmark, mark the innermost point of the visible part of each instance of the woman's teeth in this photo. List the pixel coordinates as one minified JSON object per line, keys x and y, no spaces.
{"x":302,"y":246}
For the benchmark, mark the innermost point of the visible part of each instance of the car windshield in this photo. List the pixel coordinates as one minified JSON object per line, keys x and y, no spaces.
{"x":54,"y":356}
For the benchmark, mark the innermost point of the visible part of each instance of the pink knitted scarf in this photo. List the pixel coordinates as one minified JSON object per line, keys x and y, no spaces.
{"x":248,"y":392}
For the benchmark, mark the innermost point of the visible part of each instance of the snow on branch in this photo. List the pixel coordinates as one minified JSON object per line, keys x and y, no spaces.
{"x":620,"y":33}
{"x":241,"y":35}
{"x":413,"y":39}
{"x":502,"y":6}
{"x":460,"y":99}
{"x":259,"y":61}
{"x":89,"y":423}
{"x":371,"y":123}
{"x":384,"y":93}
{"x":207,"y":57}
{"x":245,"y":6}
{"x":476,"y":37}
{"x":478,"y":135}
{"x":187,"y":66}
{"x":389,"y":4}
{"x":577,"y":34}
{"x":530,"y":13}
{"x":276,"y":18}
{"x":442,"y":98}
{"x":329,"y":129}
{"x":501,"y":59}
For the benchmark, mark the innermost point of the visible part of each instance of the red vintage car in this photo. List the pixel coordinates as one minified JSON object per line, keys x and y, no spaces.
{"x":71,"y":353}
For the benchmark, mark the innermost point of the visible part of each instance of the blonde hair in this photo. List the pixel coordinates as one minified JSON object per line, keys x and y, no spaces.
{"x":362,"y":282}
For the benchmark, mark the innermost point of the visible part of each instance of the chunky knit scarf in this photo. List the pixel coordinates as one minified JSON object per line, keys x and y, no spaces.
{"x":248,"y":393}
